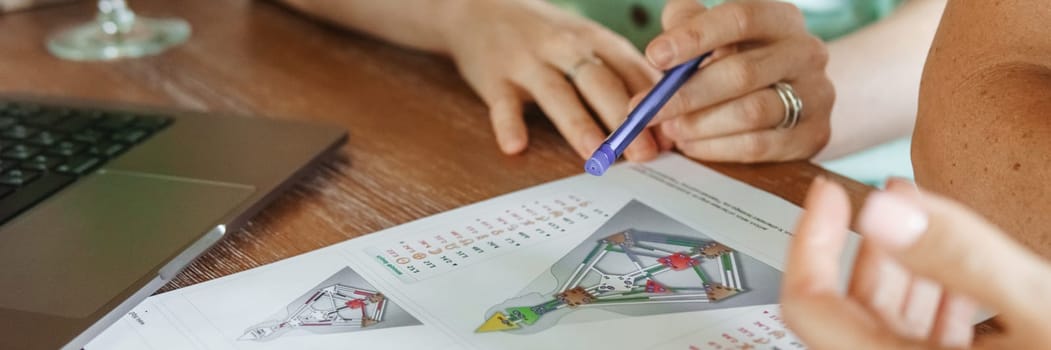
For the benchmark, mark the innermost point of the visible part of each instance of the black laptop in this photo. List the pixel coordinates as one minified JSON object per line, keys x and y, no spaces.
{"x":102,"y":205}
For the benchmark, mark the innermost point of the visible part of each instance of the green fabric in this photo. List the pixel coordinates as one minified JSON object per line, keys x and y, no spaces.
{"x":639,"y":20}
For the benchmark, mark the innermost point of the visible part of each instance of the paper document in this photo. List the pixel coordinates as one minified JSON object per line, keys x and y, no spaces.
{"x":662,"y":255}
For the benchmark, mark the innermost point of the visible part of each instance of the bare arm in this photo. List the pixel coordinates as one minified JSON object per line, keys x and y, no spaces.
{"x":983,"y":134}
{"x":876,"y":72}
{"x":411,"y":23}
{"x":513,"y":52}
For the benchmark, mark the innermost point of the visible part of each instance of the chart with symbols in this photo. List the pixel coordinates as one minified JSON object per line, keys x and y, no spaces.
{"x":487,"y":236}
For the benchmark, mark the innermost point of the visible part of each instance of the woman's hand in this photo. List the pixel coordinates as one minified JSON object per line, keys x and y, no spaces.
{"x":516,"y":51}
{"x":729,"y":110}
{"x":925,"y":265}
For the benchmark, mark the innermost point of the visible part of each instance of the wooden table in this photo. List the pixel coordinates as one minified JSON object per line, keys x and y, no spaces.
{"x":420,"y":139}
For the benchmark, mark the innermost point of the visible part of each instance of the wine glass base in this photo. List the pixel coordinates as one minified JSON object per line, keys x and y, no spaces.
{"x":88,"y":42}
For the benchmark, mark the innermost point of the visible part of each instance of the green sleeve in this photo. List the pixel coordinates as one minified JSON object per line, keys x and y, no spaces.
{"x":639,"y":20}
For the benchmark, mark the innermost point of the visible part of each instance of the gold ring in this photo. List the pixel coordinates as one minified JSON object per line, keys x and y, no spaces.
{"x":583,"y":61}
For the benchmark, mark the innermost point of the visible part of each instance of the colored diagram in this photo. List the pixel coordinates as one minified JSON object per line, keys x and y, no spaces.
{"x":634,"y":271}
{"x":342,"y":303}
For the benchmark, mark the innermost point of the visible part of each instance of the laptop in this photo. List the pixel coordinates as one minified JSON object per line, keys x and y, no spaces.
{"x":100,"y":206}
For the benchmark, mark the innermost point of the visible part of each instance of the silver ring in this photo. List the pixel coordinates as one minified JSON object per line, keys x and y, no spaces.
{"x":793,"y":105}
{"x":583,"y":61}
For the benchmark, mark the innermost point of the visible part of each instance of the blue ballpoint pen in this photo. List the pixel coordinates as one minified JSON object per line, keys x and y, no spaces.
{"x":639,"y":118}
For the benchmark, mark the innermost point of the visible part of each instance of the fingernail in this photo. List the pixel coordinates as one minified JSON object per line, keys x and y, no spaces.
{"x":634,"y":102}
{"x":820,"y":180}
{"x":660,"y":53}
{"x":591,"y":143}
{"x":636,"y":154}
{"x":816,"y":185}
{"x":900,"y":181}
{"x":891,"y":220}
{"x":513,"y":145}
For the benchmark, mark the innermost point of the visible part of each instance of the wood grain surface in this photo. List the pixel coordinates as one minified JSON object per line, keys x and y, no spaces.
{"x":420,"y":140}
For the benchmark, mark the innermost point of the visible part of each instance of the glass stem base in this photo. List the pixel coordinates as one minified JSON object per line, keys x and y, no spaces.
{"x":93,"y":42}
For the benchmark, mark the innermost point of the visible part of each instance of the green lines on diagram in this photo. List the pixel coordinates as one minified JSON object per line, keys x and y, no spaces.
{"x":701,"y":274}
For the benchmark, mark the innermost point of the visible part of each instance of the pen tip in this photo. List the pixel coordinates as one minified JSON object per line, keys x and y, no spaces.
{"x":601,"y":160}
{"x":595,"y":167}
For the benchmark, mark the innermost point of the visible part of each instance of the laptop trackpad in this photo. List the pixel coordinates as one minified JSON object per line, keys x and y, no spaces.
{"x":72,"y":254}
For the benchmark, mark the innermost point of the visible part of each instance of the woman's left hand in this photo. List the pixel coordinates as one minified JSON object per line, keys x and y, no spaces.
{"x":924,"y":267}
{"x":517,"y":51}
{"x":730,"y":110}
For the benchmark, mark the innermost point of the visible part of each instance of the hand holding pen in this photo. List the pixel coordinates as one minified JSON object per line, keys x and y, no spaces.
{"x":746,"y":102}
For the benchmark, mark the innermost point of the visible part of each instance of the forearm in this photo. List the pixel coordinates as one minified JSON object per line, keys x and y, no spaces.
{"x":877,"y":72}
{"x":417,"y":24}
{"x":983,"y":134}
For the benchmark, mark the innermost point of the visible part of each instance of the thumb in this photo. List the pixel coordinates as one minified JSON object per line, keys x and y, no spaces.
{"x":941,"y":240}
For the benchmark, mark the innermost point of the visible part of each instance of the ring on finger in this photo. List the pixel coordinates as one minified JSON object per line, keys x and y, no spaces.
{"x":793,"y":105}
{"x":571,"y":73}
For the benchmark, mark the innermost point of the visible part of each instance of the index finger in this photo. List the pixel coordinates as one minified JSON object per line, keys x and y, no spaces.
{"x":813,"y":265}
{"x":558,"y":99}
{"x":810,"y":300}
{"x":720,"y":26}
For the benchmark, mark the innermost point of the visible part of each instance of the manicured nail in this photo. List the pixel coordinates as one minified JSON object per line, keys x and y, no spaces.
{"x":660,"y":53}
{"x":892,"y":220}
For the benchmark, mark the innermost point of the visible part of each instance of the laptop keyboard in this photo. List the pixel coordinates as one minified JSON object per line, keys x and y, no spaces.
{"x":46,"y":148}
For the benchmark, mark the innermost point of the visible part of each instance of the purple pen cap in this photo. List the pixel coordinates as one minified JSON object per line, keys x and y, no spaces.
{"x":600,"y":161}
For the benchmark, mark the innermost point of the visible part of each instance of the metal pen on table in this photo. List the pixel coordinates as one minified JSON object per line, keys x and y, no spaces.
{"x":638,"y":119}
